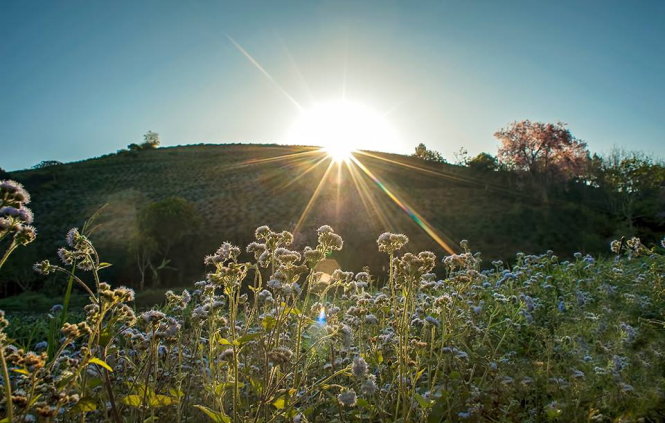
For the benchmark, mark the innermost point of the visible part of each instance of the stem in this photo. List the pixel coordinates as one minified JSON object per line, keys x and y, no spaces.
{"x":8,"y":387}
{"x":10,"y":250}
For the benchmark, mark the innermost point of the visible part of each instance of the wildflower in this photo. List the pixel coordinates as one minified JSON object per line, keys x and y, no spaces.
{"x":265,"y":297}
{"x":464,"y":414}
{"x":280,"y":355}
{"x":359,"y":367}
{"x":328,"y":239}
{"x":227,"y":354}
{"x":371,"y":319}
{"x":152,"y":316}
{"x":368,"y":387}
{"x":389,"y":242}
{"x":226,"y":252}
{"x":347,"y":398}
{"x":615,"y":246}
{"x":43,"y":267}
{"x":313,"y":255}
{"x":578,"y":374}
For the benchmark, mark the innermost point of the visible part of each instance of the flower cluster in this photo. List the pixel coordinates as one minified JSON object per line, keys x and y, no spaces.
{"x":15,"y":217}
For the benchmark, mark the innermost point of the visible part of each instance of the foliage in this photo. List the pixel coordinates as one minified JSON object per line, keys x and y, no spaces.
{"x":483,"y":162}
{"x":542,"y":148}
{"x":234,"y":189}
{"x":430,"y":155}
{"x":46,"y":163}
{"x":538,"y":341}
{"x":150,"y":142}
{"x":634,"y":185}
{"x":152,"y":242}
{"x":4,"y":174}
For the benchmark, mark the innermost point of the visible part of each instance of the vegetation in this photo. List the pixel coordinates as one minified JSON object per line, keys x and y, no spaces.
{"x":269,"y":337}
{"x":235,"y":188}
{"x":422,"y":152}
{"x":150,"y":142}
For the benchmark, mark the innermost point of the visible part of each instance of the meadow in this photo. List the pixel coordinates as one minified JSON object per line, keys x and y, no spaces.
{"x":268,"y":337}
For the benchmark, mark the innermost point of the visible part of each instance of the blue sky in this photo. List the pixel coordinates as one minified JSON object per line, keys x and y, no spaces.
{"x":84,"y":78}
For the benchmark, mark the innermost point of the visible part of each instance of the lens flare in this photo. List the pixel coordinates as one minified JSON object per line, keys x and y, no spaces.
{"x":321,"y":320}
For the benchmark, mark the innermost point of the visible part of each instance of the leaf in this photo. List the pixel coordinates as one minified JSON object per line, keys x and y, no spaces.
{"x":93,"y":382}
{"x":21,"y":371}
{"x":423,"y":402}
{"x":257,"y":385}
{"x":279,"y":403}
{"x":177,"y":393}
{"x":268,"y":323}
{"x":221,"y":387}
{"x":216,"y":416}
{"x":99,"y":362}
{"x":84,"y":406}
{"x":159,"y":400}
{"x":379,"y":357}
{"x":247,"y":338}
{"x":132,"y":401}
{"x":224,"y":341}
{"x":104,"y":265}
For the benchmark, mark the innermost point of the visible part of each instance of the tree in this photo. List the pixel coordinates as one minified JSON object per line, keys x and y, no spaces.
{"x":483,"y":162}
{"x":430,"y":155}
{"x":634,"y":184}
{"x":150,"y":140}
{"x":547,"y":149}
{"x":4,"y":174}
{"x":162,"y":225}
{"x":46,"y":163}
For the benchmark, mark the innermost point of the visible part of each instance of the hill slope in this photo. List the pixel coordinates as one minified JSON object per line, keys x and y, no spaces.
{"x":236,"y":188}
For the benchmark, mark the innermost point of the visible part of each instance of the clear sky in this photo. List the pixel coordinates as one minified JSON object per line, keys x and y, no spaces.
{"x":85,"y":78}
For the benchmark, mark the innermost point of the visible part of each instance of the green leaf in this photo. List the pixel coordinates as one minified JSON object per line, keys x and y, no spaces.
{"x":279,"y":403}
{"x":268,"y":323}
{"x":423,"y":402}
{"x":21,"y":371}
{"x":93,"y":382}
{"x":224,"y":341}
{"x":132,"y":401}
{"x":247,"y":338}
{"x":99,"y":362}
{"x":177,"y":393}
{"x":221,"y":387}
{"x":379,"y":357}
{"x":216,"y":416}
{"x":84,"y":406}
{"x":159,"y":400}
{"x":104,"y":265}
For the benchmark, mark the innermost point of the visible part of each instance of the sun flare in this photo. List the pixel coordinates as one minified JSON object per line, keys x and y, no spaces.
{"x":342,"y":127}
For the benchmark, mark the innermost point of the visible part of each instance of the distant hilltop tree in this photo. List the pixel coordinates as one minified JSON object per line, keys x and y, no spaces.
{"x":4,"y":174}
{"x":483,"y":162}
{"x":547,"y":149}
{"x":150,"y":142}
{"x":430,"y":155}
{"x":46,"y":163}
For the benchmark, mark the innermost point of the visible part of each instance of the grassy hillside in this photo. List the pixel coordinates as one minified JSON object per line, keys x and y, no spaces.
{"x":236,"y":188}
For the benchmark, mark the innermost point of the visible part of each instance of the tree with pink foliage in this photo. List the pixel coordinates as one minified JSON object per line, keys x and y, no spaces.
{"x":547,"y":149}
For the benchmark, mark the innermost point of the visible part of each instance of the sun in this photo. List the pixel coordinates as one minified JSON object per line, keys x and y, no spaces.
{"x":341,"y":127}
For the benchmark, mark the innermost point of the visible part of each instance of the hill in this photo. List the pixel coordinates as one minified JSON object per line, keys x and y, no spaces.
{"x":236,"y":188}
